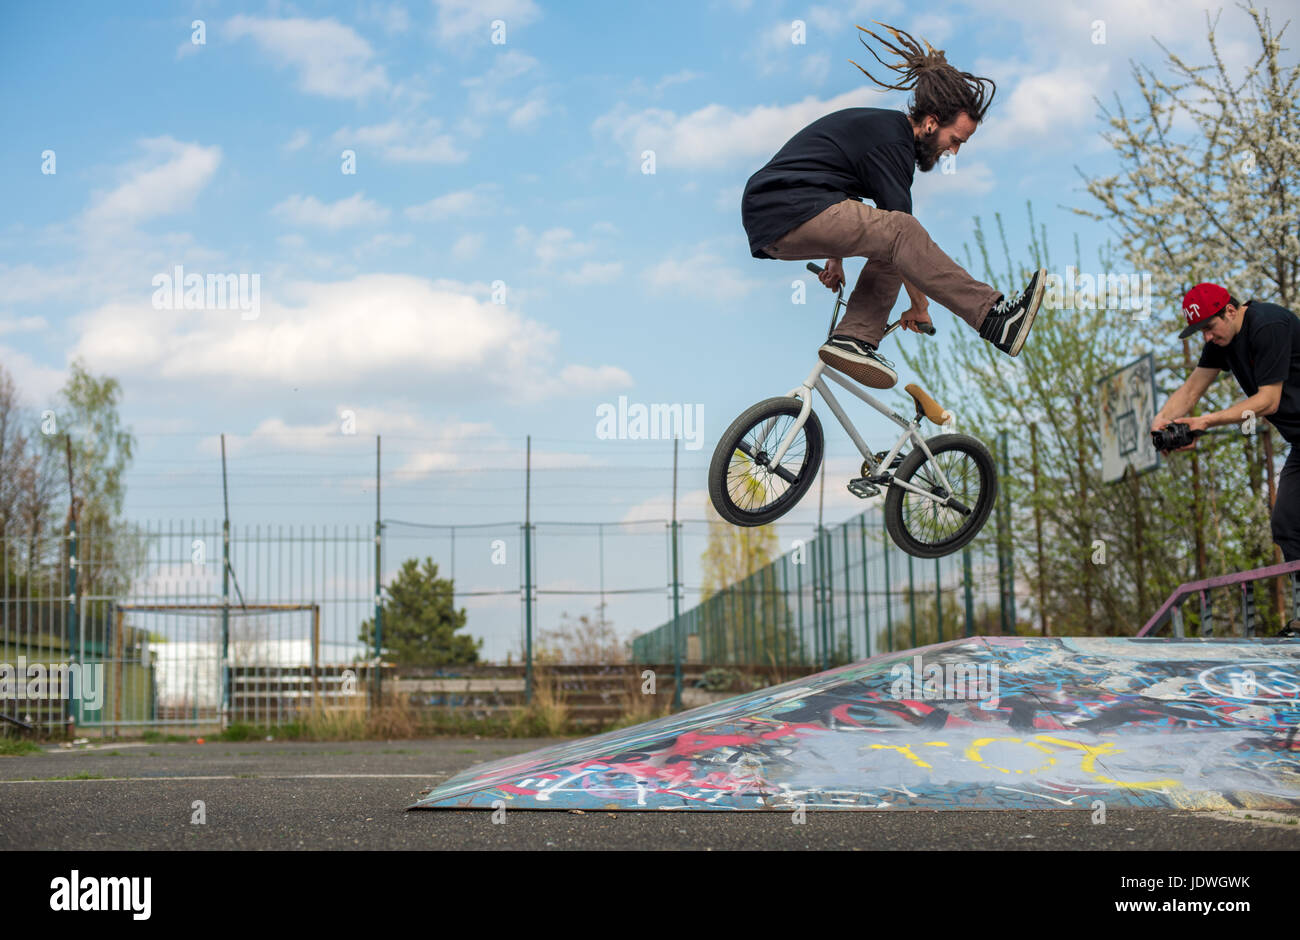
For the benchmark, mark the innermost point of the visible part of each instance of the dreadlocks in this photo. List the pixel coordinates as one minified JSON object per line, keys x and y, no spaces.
{"x":937,"y":88}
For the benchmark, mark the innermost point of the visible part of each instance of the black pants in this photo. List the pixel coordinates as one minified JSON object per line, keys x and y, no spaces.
{"x":1286,"y":511}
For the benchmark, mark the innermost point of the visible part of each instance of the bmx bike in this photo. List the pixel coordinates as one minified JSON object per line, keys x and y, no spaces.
{"x":938,"y":493}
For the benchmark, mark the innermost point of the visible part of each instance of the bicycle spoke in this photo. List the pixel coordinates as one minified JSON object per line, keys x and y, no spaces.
{"x":752,"y":486}
{"x":924,"y":518}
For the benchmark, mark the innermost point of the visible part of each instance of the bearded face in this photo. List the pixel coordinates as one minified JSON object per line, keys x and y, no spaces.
{"x":926,"y":148}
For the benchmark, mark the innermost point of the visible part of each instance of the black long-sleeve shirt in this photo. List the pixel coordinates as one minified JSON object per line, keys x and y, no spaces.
{"x":851,"y":154}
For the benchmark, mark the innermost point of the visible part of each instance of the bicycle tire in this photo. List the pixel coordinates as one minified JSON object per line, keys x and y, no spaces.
{"x":912,"y":464}
{"x":724,"y":466}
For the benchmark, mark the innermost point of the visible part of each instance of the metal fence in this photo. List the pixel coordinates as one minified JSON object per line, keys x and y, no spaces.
{"x":182,"y":626}
{"x":845,"y":594}
{"x":179,"y":625}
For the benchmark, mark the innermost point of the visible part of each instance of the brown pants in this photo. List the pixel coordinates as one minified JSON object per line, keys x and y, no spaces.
{"x":898,"y":247}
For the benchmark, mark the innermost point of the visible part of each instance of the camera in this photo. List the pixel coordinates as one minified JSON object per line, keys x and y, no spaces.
{"x":1172,"y":437}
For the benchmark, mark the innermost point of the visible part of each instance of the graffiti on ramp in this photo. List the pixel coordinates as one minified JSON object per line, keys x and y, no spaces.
{"x":980,"y":723}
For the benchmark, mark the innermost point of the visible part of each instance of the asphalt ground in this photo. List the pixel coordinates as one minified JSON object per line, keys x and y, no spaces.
{"x":336,"y":796}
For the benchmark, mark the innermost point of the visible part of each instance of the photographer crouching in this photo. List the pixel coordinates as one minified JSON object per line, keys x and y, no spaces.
{"x":1260,"y":343}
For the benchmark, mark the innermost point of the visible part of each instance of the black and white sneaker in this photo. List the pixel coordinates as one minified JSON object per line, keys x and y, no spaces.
{"x":1008,"y":323}
{"x":859,"y":361}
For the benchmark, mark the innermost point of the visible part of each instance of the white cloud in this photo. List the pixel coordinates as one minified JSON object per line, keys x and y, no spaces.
{"x":559,"y":244}
{"x":459,"y":20}
{"x":700,"y":274}
{"x":816,"y":68}
{"x":376,"y":328}
{"x":846,"y":16}
{"x":22,"y":325}
{"x":594,"y":272}
{"x":478,"y":200}
{"x":490,"y":96}
{"x":392,"y":17}
{"x":404,"y":141}
{"x":310,"y":212}
{"x":1044,"y":106}
{"x":958,"y":190}
{"x":37,"y":384}
{"x":300,"y":139}
{"x":331,"y":59}
{"x":166,"y":180}
{"x":467,"y":247}
{"x":717,"y":136}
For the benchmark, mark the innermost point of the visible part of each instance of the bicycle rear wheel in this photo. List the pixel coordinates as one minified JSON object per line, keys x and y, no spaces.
{"x":745,"y":487}
{"x":921,"y":526}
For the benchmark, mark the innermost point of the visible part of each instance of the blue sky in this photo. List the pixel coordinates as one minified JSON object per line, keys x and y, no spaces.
{"x":518,"y":162}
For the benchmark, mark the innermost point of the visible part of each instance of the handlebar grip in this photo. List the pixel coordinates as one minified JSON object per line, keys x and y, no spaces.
{"x":815,"y":268}
{"x":931,"y":331}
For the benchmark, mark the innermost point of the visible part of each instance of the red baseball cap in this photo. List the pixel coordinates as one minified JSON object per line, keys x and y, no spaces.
{"x":1200,"y":303}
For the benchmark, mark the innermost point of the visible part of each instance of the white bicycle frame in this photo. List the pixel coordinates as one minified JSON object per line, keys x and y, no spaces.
{"x":815,"y":380}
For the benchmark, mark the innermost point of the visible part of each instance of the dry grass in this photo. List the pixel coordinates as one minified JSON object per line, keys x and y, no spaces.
{"x":548,"y":714}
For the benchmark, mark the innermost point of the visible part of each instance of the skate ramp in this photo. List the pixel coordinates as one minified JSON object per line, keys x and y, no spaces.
{"x":979,"y":723}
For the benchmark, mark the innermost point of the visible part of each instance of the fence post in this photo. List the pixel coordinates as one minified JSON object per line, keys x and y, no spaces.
{"x":377,"y":684}
{"x":866,"y":590}
{"x":74,"y":634}
{"x":889,"y":587}
{"x":911,"y":594}
{"x":970,"y":588}
{"x":798,"y":579}
{"x":1248,"y":607}
{"x":938,"y":600}
{"x":677,"y":627}
{"x":848,"y":594}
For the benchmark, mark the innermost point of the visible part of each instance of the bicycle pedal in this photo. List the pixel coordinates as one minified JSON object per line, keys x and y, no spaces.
{"x":862,"y":488}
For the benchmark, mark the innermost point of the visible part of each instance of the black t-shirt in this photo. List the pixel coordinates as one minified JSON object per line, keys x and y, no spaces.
{"x":1265,"y":351}
{"x":855,"y":153}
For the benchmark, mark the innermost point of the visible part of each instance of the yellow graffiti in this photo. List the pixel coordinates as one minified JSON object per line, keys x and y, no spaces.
{"x":973,"y":753}
{"x":1087,"y":762}
{"x":905,"y":751}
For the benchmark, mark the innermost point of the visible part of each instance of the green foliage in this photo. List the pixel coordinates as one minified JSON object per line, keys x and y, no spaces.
{"x":1151,"y":529}
{"x":420,"y":621}
{"x":16,"y":747}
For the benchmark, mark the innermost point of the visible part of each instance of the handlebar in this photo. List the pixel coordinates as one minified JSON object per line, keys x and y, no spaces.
{"x":818,"y":269}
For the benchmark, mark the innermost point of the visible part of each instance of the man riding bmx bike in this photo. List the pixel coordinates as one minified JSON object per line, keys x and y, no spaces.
{"x":806,"y":204}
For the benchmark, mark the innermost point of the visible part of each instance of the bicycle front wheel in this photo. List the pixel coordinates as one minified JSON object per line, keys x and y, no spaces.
{"x":745,"y":486}
{"x":919,"y":524}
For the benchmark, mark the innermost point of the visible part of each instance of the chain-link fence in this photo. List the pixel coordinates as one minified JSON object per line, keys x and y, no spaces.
{"x":844,"y":594}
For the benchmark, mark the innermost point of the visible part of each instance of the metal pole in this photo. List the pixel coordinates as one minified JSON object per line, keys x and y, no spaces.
{"x":866,"y":592}
{"x":677,"y":636}
{"x":889,"y":588}
{"x":938,"y":601}
{"x":970,"y":588}
{"x":225,"y":592}
{"x":911,"y":596}
{"x":74,"y":634}
{"x":1010,"y":555}
{"x":798,"y":590}
{"x":1038,"y":538}
{"x":377,"y":681}
{"x":528,"y":572}
{"x":848,"y":597}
